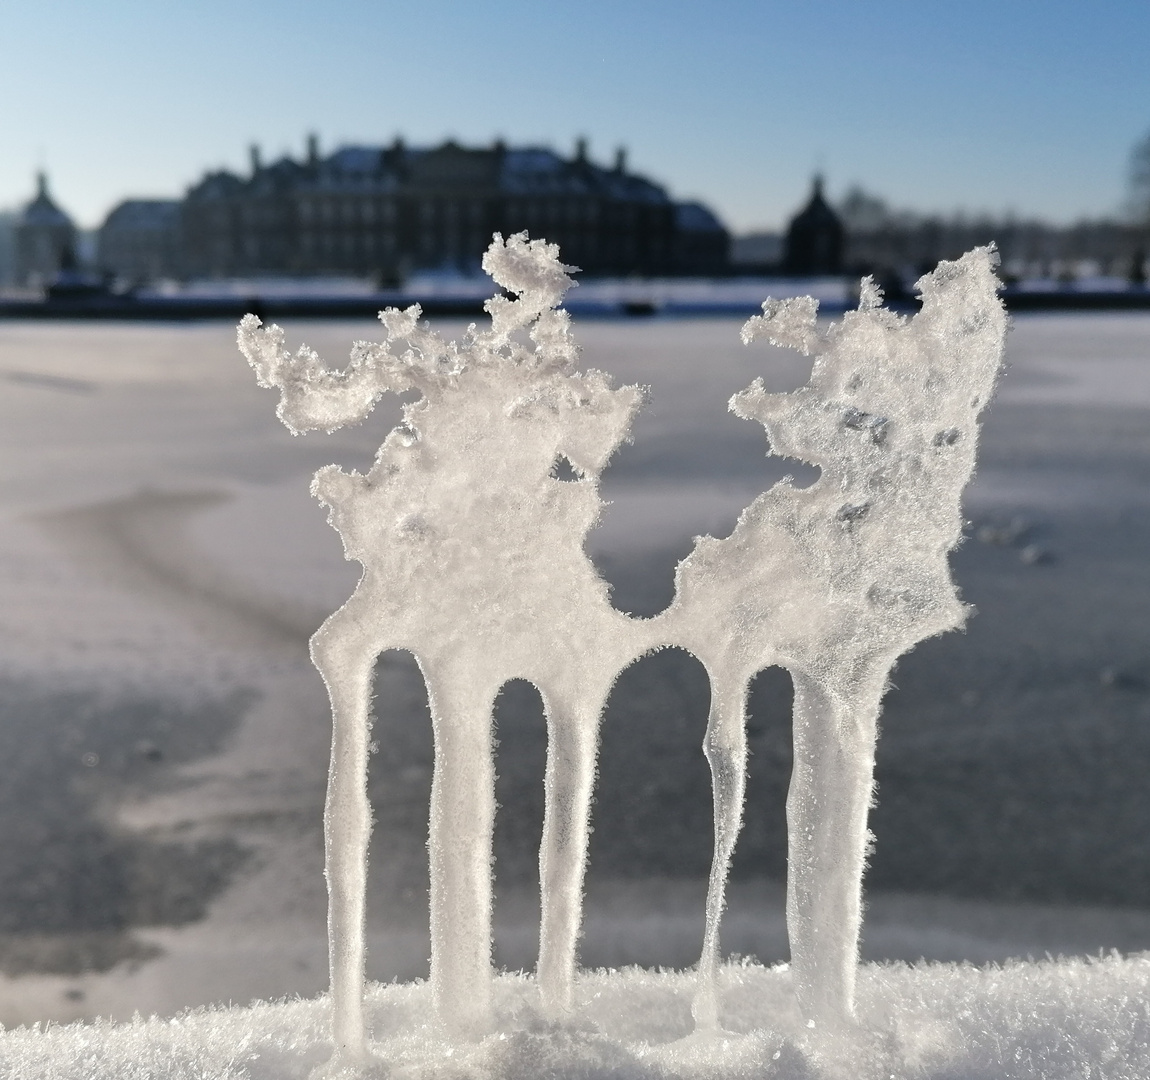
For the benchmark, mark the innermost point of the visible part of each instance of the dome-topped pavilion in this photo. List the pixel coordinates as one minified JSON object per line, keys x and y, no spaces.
{"x":815,"y":237}
{"x":45,"y":238}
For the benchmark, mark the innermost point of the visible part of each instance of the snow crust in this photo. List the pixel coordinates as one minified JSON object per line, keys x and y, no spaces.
{"x":471,"y":538}
{"x":1023,"y":1021}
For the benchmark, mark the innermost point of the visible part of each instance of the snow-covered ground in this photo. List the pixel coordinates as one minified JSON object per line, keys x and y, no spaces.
{"x":163,"y":738}
{"x":593,"y":295}
{"x":1044,"y":1021}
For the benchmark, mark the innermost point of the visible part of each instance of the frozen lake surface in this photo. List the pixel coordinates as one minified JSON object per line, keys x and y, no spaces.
{"x":163,"y":738}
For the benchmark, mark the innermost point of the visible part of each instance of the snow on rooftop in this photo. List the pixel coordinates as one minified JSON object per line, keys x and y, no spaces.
{"x":357,"y":159}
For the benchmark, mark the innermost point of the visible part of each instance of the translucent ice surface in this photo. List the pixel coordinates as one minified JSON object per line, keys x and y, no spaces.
{"x":470,"y":527}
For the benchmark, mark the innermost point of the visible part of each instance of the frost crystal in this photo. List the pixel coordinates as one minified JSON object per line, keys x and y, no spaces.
{"x":472,"y":548}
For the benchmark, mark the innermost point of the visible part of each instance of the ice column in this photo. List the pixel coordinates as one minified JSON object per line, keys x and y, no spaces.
{"x":834,"y":582}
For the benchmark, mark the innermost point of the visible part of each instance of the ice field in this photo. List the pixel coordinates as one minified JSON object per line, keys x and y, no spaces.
{"x":166,"y":739}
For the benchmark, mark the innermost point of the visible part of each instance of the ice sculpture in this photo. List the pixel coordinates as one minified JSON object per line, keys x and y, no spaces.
{"x":836,"y":581}
{"x":473,"y":560}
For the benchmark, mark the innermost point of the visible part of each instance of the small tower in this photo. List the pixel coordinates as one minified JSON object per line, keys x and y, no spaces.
{"x":45,"y":238}
{"x":814,"y":238}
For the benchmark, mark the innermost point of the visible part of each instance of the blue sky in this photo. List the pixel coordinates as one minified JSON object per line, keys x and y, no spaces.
{"x":1023,"y":105}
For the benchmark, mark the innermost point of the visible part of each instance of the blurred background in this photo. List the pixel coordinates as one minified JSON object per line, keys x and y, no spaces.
{"x":163,"y":737}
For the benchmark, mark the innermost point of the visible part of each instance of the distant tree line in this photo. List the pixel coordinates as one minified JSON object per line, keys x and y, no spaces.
{"x":880,"y":238}
{"x":862,"y":233}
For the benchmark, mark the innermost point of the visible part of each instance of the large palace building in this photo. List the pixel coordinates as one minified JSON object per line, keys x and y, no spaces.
{"x":389,"y":211}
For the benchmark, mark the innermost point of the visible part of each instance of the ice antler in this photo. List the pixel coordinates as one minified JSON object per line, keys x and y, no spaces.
{"x":315,"y":398}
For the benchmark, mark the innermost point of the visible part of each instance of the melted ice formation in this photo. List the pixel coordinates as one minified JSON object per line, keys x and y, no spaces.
{"x":834,"y":582}
{"x":473,"y":560}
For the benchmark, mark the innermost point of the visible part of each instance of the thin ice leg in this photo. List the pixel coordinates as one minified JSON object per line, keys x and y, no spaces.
{"x":725,"y":745}
{"x":827,"y":806}
{"x":460,"y":849}
{"x":572,"y":743}
{"x":346,"y":661}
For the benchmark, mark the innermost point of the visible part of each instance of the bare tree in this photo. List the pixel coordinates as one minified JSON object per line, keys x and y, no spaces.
{"x":1140,"y":180}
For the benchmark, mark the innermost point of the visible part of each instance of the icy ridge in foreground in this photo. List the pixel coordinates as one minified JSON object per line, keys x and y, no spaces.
{"x":472,"y":548}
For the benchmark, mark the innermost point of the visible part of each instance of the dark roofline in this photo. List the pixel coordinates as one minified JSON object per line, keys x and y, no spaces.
{"x":395,"y":161}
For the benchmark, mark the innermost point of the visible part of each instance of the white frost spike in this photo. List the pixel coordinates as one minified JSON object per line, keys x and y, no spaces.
{"x":788,"y":323}
{"x":836,"y":581}
{"x":473,"y":560}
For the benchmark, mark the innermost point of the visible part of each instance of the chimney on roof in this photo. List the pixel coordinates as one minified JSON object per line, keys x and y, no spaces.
{"x":621,"y":160}
{"x":254,"y":153}
{"x":581,"y":150}
{"x":500,"y":147}
{"x":394,"y":157}
{"x":313,"y":149}
{"x":42,"y":184}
